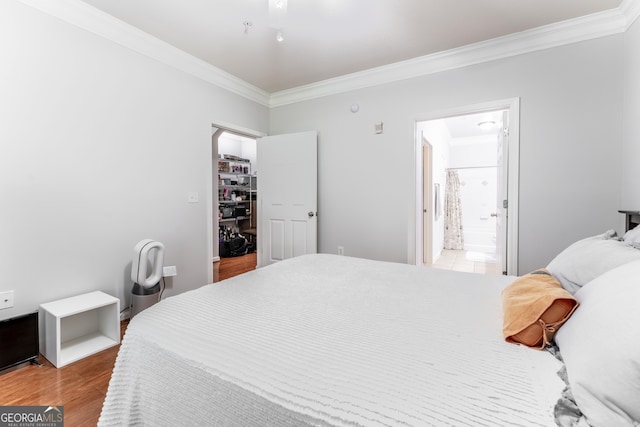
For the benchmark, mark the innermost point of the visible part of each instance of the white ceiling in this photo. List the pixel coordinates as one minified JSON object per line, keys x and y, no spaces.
{"x":325,"y":39}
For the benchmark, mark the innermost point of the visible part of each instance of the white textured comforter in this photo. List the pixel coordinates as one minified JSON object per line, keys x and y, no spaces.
{"x":328,"y":340}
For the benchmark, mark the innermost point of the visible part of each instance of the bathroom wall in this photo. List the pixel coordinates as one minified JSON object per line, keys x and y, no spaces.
{"x":478,"y":190}
{"x":476,"y":159}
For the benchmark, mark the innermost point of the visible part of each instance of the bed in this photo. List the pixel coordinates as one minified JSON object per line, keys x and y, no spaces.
{"x":328,"y":340}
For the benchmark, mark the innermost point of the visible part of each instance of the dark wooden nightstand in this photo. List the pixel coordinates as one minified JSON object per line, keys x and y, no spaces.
{"x":632,"y":218}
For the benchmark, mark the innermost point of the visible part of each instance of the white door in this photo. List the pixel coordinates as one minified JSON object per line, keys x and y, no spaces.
{"x":287,"y":196}
{"x":501,"y":199}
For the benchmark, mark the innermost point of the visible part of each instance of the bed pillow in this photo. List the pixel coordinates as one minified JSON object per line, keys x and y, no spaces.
{"x":534,"y":306}
{"x":588,"y":258}
{"x":600,"y":346}
{"x":632,"y":236}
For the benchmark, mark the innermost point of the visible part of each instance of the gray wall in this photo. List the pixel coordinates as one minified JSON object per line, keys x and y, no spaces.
{"x":99,"y":147}
{"x":631,"y":124}
{"x":570,"y":147}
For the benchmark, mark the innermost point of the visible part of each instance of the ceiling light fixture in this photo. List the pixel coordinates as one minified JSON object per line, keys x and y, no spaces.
{"x":277,"y":14}
{"x":487,"y":125}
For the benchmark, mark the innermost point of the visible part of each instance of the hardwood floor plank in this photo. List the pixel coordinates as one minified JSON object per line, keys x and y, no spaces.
{"x":233,"y":266}
{"x":84,"y":410}
{"x":80,"y":387}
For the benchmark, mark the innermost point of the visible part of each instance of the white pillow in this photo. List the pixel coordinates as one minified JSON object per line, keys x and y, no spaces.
{"x":632,"y":236}
{"x":588,"y":258}
{"x":600,"y":346}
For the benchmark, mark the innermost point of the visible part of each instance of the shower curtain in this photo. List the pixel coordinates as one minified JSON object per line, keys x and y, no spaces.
{"x":453,"y":238}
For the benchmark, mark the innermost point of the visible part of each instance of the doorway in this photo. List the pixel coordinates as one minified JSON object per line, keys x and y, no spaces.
{"x":468,"y":162}
{"x":233,"y":205}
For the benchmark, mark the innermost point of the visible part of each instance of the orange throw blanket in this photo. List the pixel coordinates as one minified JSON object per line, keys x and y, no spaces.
{"x":534,"y":307}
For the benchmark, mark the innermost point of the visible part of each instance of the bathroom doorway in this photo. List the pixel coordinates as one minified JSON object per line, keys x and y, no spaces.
{"x":472,"y":174}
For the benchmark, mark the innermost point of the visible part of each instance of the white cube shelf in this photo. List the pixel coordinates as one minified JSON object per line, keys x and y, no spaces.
{"x":79,"y":326}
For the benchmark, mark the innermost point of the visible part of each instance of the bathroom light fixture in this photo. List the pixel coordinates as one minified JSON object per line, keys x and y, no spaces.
{"x":487,"y":125}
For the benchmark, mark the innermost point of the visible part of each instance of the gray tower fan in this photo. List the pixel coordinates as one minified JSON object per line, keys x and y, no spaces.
{"x":146,"y":273}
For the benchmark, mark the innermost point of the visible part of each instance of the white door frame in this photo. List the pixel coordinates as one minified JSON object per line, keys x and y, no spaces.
{"x":211,"y":186}
{"x":428,"y":207}
{"x":513,"y":167}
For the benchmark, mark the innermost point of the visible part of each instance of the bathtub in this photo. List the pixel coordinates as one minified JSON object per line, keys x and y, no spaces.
{"x":480,"y":238}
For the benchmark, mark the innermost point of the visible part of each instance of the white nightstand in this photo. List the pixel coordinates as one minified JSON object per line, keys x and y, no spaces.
{"x":79,"y":326}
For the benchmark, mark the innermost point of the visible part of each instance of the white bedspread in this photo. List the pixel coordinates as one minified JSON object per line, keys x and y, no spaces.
{"x":328,"y":340}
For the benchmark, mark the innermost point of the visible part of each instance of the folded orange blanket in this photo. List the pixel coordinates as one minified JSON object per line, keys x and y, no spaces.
{"x":534,"y":307}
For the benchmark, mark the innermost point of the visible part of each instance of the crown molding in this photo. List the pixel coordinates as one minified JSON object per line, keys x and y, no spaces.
{"x":630,"y":9}
{"x":91,"y":19}
{"x":548,"y":36}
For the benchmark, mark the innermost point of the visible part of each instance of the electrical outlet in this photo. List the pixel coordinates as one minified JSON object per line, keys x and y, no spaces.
{"x":169,"y":271}
{"x":193,"y":197}
{"x":340,"y":250}
{"x":6,"y":299}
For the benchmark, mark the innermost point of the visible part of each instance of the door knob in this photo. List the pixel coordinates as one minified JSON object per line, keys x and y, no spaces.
{"x":311,"y":214}
{"x":494,"y":214}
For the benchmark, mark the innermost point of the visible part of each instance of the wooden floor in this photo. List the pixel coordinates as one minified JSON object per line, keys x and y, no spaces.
{"x":229,"y":267}
{"x":82,"y":386}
